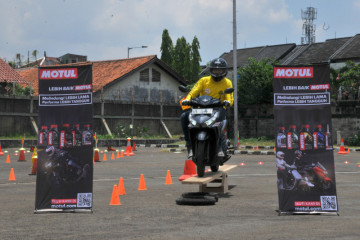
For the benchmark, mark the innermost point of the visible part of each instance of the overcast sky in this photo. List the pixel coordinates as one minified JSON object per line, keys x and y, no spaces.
{"x":104,"y":29}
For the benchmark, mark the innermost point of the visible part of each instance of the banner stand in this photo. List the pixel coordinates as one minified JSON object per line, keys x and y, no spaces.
{"x":42,"y":211}
{"x":304,"y":150}
{"x":280,"y":213}
{"x":64,"y":180}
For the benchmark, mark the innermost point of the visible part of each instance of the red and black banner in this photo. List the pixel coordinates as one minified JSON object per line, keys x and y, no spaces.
{"x":65,"y":139}
{"x":304,"y":150}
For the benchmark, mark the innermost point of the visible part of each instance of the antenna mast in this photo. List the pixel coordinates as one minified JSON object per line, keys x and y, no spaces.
{"x":308,"y":16}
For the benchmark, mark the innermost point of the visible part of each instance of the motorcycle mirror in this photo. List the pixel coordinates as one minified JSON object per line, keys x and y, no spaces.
{"x":229,"y":90}
{"x":182,"y":88}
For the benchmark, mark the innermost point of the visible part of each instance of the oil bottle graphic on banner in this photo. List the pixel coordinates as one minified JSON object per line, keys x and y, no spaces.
{"x":328,"y":142}
{"x":65,"y":136}
{"x":306,"y":138}
{"x":53,"y":137}
{"x":318,"y":137}
{"x":86,"y":135}
{"x":43,"y":136}
{"x":281,"y":138}
{"x":76,"y":135}
{"x":292,"y":138}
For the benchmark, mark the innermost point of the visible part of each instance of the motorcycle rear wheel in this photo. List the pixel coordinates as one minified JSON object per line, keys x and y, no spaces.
{"x":200,"y":159}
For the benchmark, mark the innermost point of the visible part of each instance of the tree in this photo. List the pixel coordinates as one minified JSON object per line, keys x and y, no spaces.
{"x":166,"y":48}
{"x":346,"y":81}
{"x":255,"y":85}
{"x":183,"y":58}
{"x":195,"y":60}
{"x":34,"y":54}
{"x":19,"y":59}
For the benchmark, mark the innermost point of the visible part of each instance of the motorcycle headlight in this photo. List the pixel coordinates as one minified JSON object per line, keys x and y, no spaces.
{"x":212,"y":119}
{"x":192,"y":120}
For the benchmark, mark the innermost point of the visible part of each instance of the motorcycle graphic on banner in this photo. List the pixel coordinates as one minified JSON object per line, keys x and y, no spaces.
{"x":304,"y":150}
{"x":65,"y":139}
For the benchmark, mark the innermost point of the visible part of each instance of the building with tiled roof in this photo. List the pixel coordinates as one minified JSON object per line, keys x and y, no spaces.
{"x":8,"y":75}
{"x":141,"y":79}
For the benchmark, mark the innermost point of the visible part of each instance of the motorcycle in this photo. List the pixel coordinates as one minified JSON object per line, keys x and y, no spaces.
{"x":205,"y":130}
{"x":61,"y":168}
{"x":318,"y":175}
{"x":315,"y":174}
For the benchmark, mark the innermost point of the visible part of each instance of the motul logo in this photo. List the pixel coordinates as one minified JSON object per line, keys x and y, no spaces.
{"x":302,"y":141}
{"x":289,"y":141}
{"x":300,"y":72}
{"x":41,"y":138}
{"x":50,"y":137}
{"x":315,"y":140}
{"x":62,"y":139}
{"x":67,"y":73}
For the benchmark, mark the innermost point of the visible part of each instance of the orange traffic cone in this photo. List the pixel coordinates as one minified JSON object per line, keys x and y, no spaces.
{"x":1,"y":152}
{"x":189,"y":170}
{"x":104,"y":158}
{"x":121,"y":187}
{"x":8,"y":159}
{"x":348,"y":151}
{"x":34,"y":163}
{"x":111,"y":148}
{"x":115,"y":199}
{"x":117,"y":154}
{"x":257,"y":148}
{"x":22,"y":156}
{"x":12,"y":175}
{"x":168,"y":179}
{"x":96,"y":155}
{"x":134,"y":147}
{"x":122,"y":154}
{"x":142,"y":185}
{"x":253,"y":148}
{"x":112,"y":156}
{"x":128,"y":151}
{"x":342,"y":148}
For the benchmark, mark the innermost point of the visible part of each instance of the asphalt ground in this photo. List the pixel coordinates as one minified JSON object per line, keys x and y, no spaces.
{"x":247,"y":211}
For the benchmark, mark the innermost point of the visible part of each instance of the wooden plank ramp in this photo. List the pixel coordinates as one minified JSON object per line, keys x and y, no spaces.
{"x":220,"y":176}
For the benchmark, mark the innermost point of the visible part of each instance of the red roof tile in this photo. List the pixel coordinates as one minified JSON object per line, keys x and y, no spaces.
{"x":8,"y":74}
{"x":104,"y":72}
{"x":31,"y":76}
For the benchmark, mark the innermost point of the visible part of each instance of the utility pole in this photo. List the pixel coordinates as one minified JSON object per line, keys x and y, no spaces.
{"x":236,"y":134}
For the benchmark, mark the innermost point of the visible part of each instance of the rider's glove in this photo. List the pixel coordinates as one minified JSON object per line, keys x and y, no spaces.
{"x":226,"y":103}
{"x":185,"y":102}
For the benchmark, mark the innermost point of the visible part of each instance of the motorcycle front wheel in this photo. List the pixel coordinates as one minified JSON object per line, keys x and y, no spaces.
{"x":200,"y":158}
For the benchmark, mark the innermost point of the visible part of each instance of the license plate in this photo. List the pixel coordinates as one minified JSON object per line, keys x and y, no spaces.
{"x":202,"y":111}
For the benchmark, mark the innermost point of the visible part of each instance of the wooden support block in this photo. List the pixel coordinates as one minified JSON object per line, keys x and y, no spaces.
{"x":220,"y":176}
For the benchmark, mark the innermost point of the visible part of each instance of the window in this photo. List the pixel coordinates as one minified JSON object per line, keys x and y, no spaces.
{"x":155,"y":76}
{"x":144,"y":75}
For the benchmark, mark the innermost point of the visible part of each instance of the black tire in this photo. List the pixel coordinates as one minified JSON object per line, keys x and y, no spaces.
{"x":215,"y":168}
{"x":200,"y":158}
{"x":200,"y":195}
{"x":205,"y":200}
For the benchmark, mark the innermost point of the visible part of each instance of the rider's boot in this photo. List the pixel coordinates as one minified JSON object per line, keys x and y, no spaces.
{"x":222,"y":142}
{"x":308,"y":183}
{"x":189,"y":152}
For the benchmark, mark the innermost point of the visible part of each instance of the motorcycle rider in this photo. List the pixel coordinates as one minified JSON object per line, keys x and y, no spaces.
{"x":300,"y":164}
{"x":281,"y":169}
{"x":63,"y":158}
{"x":210,"y":85}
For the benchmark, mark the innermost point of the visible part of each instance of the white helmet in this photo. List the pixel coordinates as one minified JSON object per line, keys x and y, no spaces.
{"x":280,"y":155}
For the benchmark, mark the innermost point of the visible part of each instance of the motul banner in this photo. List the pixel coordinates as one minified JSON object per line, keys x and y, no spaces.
{"x":65,"y":139}
{"x":304,"y":150}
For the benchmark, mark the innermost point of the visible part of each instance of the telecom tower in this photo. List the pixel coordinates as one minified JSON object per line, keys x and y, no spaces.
{"x":308,"y":16}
